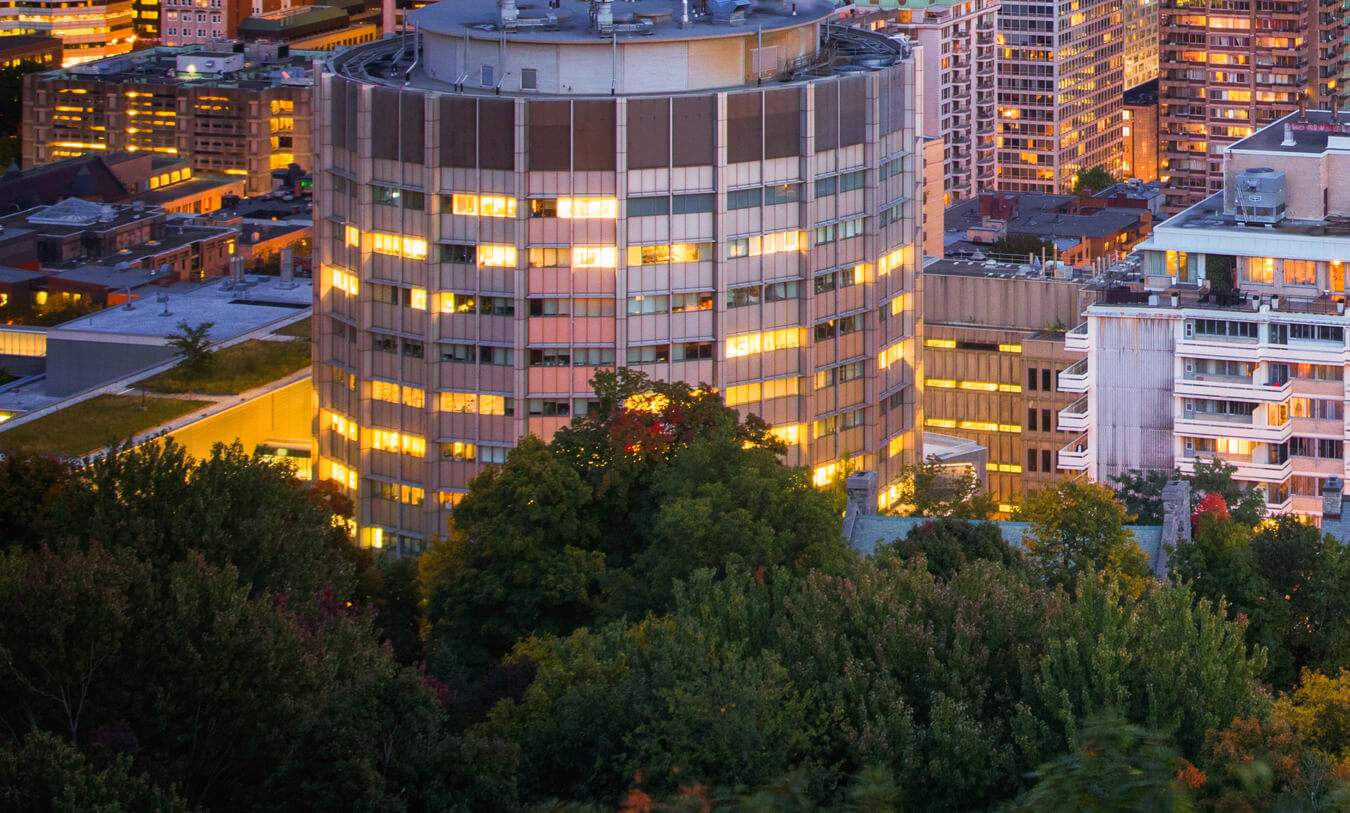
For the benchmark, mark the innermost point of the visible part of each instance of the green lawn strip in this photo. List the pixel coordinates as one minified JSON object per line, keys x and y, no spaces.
{"x":93,"y":424}
{"x":304,"y":329}
{"x":241,"y":367}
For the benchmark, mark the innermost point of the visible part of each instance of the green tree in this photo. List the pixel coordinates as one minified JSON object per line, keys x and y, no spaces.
{"x":1246,"y":503}
{"x":933,"y":489}
{"x":1219,"y":269}
{"x":948,"y":545}
{"x":1114,"y":766}
{"x":43,"y":774}
{"x":164,"y":506}
{"x":658,"y":480}
{"x":193,"y":347}
{"x":519,"y":560}
{"x":1141,"y":494}
{"x":1077,"y":527}
{"x":1092,"y":179}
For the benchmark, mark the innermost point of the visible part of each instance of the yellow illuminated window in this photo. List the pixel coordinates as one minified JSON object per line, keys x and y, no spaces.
{"x":895,"y":446}
{"x":342,"y":426}
{"x":587,"y":208}
{"x":1010,"y":468}
{"x":382,"y":440}
{"x":412,"y":248}
{"x":1009,"y":427}
{"x":345,"y":282}
{"x":594,"y":257}
{"x":353,"y":236}
{"x":897,"y":306}
{"x":978,"y":426}
{"x":941,"y":423}
{"x":1010,"y":348}
{"x":890,"y":356}
{"x":981,"y":386}
{"x":459,"y":450}
{"x":497,"y":256}
{"x":822,"y":475}
{"x":742,"y":394}
{"x":1009,"y":387}
{"x":946,"y":344}
{"x":464,"y":205}
{"x":473,"y":403}
{"x":941,"y":383}
{"x":344,"y":475}
{"x":766,"y":342}
{"x":417,"y":299}
{"x":893,"y":260}
{"x":791,"y":435}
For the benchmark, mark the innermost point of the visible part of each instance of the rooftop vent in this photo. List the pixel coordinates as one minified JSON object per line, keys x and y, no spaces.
{"x":1259,"y":196}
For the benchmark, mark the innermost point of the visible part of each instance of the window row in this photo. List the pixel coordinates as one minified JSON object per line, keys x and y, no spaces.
{"x":755,"y":294}
{"x":660,"y":353}
{"x":840,"y":374}
{"x":838,"y":423}
{"x":761,"y":390}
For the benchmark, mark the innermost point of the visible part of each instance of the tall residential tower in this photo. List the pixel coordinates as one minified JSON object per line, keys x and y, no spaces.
{"x":1060,"y":86}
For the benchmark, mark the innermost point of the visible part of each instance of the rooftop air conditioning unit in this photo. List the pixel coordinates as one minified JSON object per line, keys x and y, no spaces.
{"x":1259,"y":196}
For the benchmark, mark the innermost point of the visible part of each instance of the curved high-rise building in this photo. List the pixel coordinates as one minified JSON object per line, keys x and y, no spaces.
{"x":514,"y":197}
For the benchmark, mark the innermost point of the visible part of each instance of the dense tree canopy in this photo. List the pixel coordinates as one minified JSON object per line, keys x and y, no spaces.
{"x":602,"y":521}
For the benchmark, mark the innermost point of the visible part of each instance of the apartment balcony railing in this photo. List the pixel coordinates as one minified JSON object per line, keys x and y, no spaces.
{"x":1076,"y":340}
{"x":1074,"y":456}
{"x":1074,"y":378}
{"x":1074,"y":417}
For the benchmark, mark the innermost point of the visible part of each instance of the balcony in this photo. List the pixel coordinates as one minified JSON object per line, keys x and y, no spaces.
{"x":1076,"y":340}
{"x":1246,"y":468}
{"x":1074,"y":417}
{"x":1231,"y":387}
{"x":1074,"y":456}
{"x":1074,"y":378}
{"x":1246,"y":427}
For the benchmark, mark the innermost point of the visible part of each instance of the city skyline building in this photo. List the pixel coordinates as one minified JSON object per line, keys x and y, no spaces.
{"x":1231,"y":68}
{"x":88,"y":30}
{"x":1141,"y":42}
{"x":540,"y":196}
{"x":1254,"y":377}
{"x":1060,"y":86}
{"x":958,"y":38}
{"x":242,"y":114}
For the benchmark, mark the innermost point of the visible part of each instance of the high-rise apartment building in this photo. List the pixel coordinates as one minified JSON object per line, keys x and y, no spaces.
{"x":958,"y":39}
{"x":523,"y":197}
{"x":1141,"y":42}
{"x":1060,"y":82}
{"x":245,"y":114}
{"x":1255,"y":377}
{"x":87,"y":30}
{"x":1229,"y":69}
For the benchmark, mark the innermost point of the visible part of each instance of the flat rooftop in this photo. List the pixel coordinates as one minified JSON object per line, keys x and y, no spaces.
{"x":159,"y":66}
{"x":482,"y":19}
{"x":1044,"y":215}
{"x":233,"y":311}
{"x":1208,"y":214}
{"x":1271,"y":137}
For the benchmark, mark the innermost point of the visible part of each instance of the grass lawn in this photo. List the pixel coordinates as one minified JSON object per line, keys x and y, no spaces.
{"x":92,"y":424}
{"x":241,"y":367}
{"x":304,"y":329}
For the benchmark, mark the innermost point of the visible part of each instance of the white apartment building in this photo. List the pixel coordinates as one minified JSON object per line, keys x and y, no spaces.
{"x":1255,"y":377}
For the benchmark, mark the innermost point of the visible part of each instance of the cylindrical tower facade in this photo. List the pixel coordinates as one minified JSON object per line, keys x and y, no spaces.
{"x":502,"y":210}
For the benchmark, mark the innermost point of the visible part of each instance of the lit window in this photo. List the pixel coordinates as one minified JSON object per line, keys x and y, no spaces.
{"x":940,"y":423}
{"x":766,"y":342}
{"x":946,"y":344}
{"x":594,"y":257}
{"x":588,"y":208}
{"x":895,"y":446}
{"x":353,"y":236}
{"x":417,"y":299}
{"x":347,"y":283}
{"x":890,"y":356}
{"x":497,"y":256}
{"x":1010,"y":348}
{"x":791,"y":435}
{"x":941,"y":383}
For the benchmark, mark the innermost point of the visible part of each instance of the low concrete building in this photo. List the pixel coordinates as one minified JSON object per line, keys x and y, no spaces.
{"x":1083,"y":229}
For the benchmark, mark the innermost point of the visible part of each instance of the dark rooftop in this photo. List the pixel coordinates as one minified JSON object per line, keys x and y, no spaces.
{"x":160,"y":66}
{"x":1045,"y":215}
{"x":86,"y":176}
{"x":1271,"y":137}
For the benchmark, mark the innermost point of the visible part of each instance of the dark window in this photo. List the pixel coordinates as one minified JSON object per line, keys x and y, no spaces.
{"x":546,"y":408}
{"x":1031,"y":378}
{"x":850,"y":181}
{"x":1046,"y":464}
{"x":744,"y":198}
{"x":826,"y":330}
{"x":743,"y":297}
{"x":385,"y":344}
{"x":412,"y":349}
{"x":692,"y":204}
{"x":783,"y":193}
{"x":780,"y":291}
{"x":1031,"y":420}
{"x":458,"y":253}
{"x":1045,"y":381}
{"x":550,"y":357}
{"x":825,"y":187}
{"x":458,"y":353}
{"x":1031,"y":460}
{"x":644,"y":207}
{"x":691,"y":351}
{"x":1046,"y":425}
